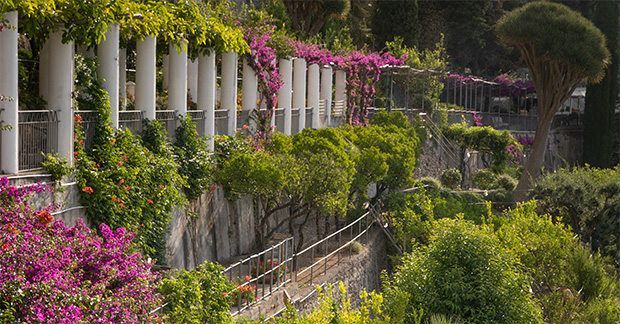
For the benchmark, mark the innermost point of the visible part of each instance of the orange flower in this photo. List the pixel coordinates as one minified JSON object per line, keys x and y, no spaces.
{"x":246,"y":127}
{"x":88,"y":190}
{"x":149,"y":201}
{"x":44,"y":217}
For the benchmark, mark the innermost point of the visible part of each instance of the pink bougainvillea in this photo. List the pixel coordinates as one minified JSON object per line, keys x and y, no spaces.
{"x":50,"y":273}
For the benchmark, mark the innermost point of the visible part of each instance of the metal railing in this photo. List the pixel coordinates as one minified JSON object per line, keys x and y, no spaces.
{"x":334,"y":255}
{"x":38,"y":133}
{"x":515,"y":122}
{"x":221,"y":121}
{"x":198,"y":116}
{"x":89,"y":125}
{"x":169,"y":119}
{"x":131,"y":119}
{"x":262,"y":274}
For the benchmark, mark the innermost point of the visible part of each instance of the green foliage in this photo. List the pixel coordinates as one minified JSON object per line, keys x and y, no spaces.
{"x":398,"y":143}
{"x":587,"y":199}
{"x":465,"y":272}
{"x":484,"y":139}
{"x":58,"y":167}
{"x":572,"y":284}
{"x":412,"y":214}
{"x":124,"y":184}
{"x":429,"y":182}
{"x":451,"y":178}
{"x":554,"y":33}
{"x":428,"y":59}
{"x":193,"y":158}
{"x":600,"y":103}
{"x":484,"y":179}
{"x":396,"y":21}
{"x":506,"y":182}
{"x":330,"y":310}
{"x":197,"y":296}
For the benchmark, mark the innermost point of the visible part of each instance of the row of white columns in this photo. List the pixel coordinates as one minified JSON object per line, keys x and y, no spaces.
{"x":181,"y":74}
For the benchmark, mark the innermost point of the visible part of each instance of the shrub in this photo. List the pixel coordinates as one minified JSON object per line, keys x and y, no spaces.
{"x":54,"y":274}
{"x":451,"y":178}
{"x":197,"y":296}
{"x":587,"y":199}
{"x":484,"y":179}
{"x":355,"y":247}
{"x":429,"y":182}
{"x":506,"y":182}
{"x":466,"y":272}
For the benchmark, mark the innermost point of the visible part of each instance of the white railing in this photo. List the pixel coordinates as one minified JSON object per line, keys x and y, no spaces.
{"x":38,"y":133}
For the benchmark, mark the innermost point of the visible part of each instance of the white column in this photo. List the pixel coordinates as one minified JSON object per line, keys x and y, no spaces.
{"x":207,"y":74}
{"x":284,"y":95}
{"x":340,"y":84}
{"x":177,"y":85}
{"x":9,"y":161}
{"x":61,"y":91}
{"x":313,"y":93}
{"x":299,"y":91}
{"x":108,"y":68}
{"x":192,"y":79}
{"x":122,"y":77}
{"x":249,"y":86}
{"x":326,"y":92}
{"x":145,"y":76}
{"x":228,"y":100}
{"x":44,"y":70}
{"x":86,"y":51}
{"x":165,"y":70}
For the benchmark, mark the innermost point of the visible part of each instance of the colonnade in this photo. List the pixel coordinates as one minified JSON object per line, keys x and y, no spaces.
{"x":303,"y":87}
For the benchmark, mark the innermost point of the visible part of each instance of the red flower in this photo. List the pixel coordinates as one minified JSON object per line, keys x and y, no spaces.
{"x":5,"y":247}
{"x":246,"y":127}
{"x":121,"y":205}
{"x":120,"y":163}
{"x":78,"y":118}
{"x":113,"y":199}
{"x":125,"y":158}
{"x":75,"y":153}
{"x":149,"y":201}
{"x":11,"y":229}
{"x":88,"y":190}
{"x":121,"y":182}
{"x":81,"y":142}
{"x":44,"y":217}
{"x":212,"y":188}
{"x":113,"y":141}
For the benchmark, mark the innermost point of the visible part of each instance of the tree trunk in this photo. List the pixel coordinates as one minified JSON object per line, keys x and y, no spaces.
{"x":534,"y":162}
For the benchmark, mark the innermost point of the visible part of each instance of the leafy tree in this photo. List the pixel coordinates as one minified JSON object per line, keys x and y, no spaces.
{"x":560,"y":48}
{"x":393,"y":19}
{"x":466,"y":272}
{"x":598,"y":132}
{"x":399,"y":146}
{"x":308,"y":17}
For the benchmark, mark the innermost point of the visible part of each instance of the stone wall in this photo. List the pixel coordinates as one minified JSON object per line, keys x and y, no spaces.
{"x":361,"y":272}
